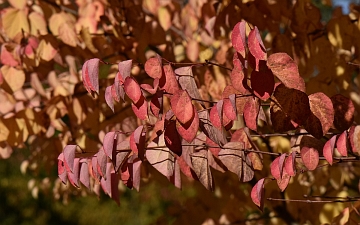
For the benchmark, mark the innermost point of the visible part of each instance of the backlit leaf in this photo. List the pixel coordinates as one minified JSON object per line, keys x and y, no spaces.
{"x":164,"y":17}
{"x":84,"y":174}
{"x":233,"y":157}
{"x":109,"y":97}
{"x":18,"y":4}
{"x":73,"y":176}
{"x":310,"y":157}
{"x":69,"y":155}
{"x":169,"y":82}
{"x":256,"y":45}
{"x":109,"y":142}
{"x":125,"y":68}
{"x":134,"y":166}
{"x":209,"y":130}
{"x":140,"y":108}
{"x":90,"y":75}
{"x":255,"y":160}
{"x":328,"y":149}
{"x":238,"y":38}
{"x":342,"y":143}
{"x":343,"y":112}
{"x":13,"y":78}
{"x":12,"y":28}
{"x":284,"y":181}
{"x":132,"y":89}
{"x":290,"y":164}
{"x":153,"y":67}
{"x":257,"y":193}
{"x":322,"y":115}
{"x":286,"y":70}
{"x":182,"y":106}
{"x":189,"y":130}
{"x":251,"y":112}
{"x":201,"y":167}
{"x":229,"y":108}
{"x":354,"y":136}
{"x":161,"y":158}
{"x":275,"y":168}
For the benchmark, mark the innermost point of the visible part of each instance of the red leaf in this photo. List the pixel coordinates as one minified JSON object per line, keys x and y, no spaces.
{"x":125,"y":68}
{"x":61,"y":168}
{"x":310,"y":157}
{"x":239,"y":100}
{"x":189,"y":130}
{"x":182,"y":106}
{"x":232,"y":156}
{"x":7,"y":58}
{"x":209,"y":130}
{"x":118,"y":86}
{"x":156,"y":104}
{"x":140,"y":108}
{"x":172,"y":138}
{"x":215,"y":117}
{"x":90,"y":75}
{"x":132,"y":89}
{"x":256,"y":47}
{"x":257,"y":194}
{"x":354,"y":136}
{"x":134,"y":167}
{"x":275,"y":168}
{"x":251,"y":112}
{"x":328,"y":149}
{"x":109,"y":97}
{"x":285,"y":68}
{"x":213,"y":147}
{"x":281,"y":164}
{"x":290,"y":164}
{"x":84,"y":173}
{"x":240,"y":136}
{"x":69,"y":155}
{"x":238,"y":38}
{"x":342,"y":144}
{"x":185,"y":168}
{"x":137,"y":142}
{"x":153,"y":67}
{"x":322,"y":115}
{"x":262,"y":83}
{"x":344,"y":112}
{"x":201,"y":167}
{"x":169,"y":82}
{"x":160,"y":158}
{"x":108,"y":143}
{"x":229,"y":108}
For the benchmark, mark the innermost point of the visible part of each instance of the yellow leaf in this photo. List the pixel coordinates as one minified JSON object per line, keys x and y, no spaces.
{"x":18,"y":4}
{"x":13,"y":78}
{"x":57,"y":19}
{"x":14,"y":21}
{"x":67,"y":34}
{"x":4,"y":132}
{"x":164,"y":18}
{"x":46,"y":51}
{"x":86,"y":36}
{"x":37,"y":24}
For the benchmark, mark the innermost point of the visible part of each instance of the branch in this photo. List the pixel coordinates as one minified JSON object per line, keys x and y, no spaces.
{"x":314,"y":201}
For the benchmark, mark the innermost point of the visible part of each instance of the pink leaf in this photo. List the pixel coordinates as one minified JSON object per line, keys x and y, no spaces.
{"x":61,"y":168}
{"x":290,"y":164}
{"x":169,"y":82}
{"x":140,"y":108}
{"x":257,"y":194}
{"x":132,"y":89}
{"x":7,"y":58}
{"x":182,"y":106}
{"x":310,"y":157}
{"x":281,"y":164}
{"x":153,"y":67}
{"x":229,"y":108}
{"x":256,"y":47}
{"x":108,"y":143}
{"x":69,"y":155}
{"x":109,"y":97}
{"x":284,"y":181}
{"x":328,"y":149}
{"x":189,"y":130}
{"x":238,"y":36}
{"x":101,"y":162}
{"x":251,"y":112}
{"x":84,"y":173}
{"x":275,"y":168}
{"x":74,"y":175}
{"x":118,"y":86}
{"x":125,"y":68}
{"x":342,"y":143}
{"x":175,"y":178}
{"x":90,"y":75}
{"x":354,"y":136}
{"x":134,"y":166}
{"x":262,"y":83}
{"x":137,"y":142}
{"x":122,"y":152}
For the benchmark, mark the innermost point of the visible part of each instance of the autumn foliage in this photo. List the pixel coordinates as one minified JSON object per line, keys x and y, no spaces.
{"x":116,"y":89}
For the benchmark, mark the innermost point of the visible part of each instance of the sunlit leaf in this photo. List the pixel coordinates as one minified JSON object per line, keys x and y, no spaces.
{"x":153,"y":67}
{"x":342,"y":143}
{"x":354,"y":136}
{"x":328,"y":149}
{"x":310,"y":157}
{"x":12,"y":28}
{"x":13,"y":78}
{"x":182,"y":106}
{"x":132,"y":89}
{"x":257,"y":193}
{"x":251,"y":112}
{"x":238,"y":36}
{"x":189,"y":130}
{"x":90,"y":75}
